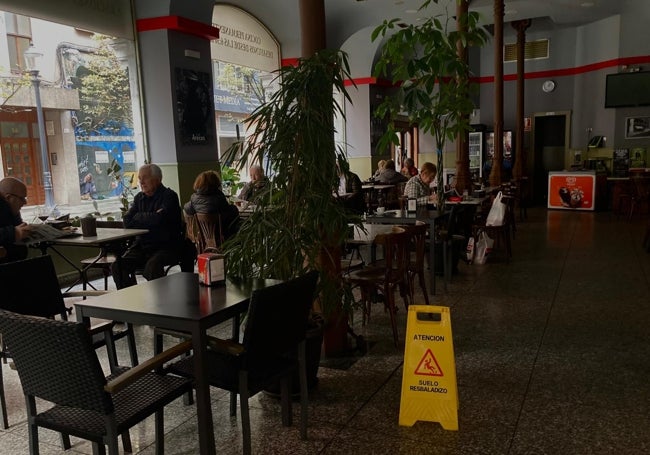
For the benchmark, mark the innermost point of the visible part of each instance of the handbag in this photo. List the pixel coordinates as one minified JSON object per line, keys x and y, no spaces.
{"x":483,"y":248}
{"x":470,"y":250}
{"x":497,"y":212}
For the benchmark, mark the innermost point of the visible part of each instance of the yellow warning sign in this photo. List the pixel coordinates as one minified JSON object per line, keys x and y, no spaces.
{"x":429,"y":390}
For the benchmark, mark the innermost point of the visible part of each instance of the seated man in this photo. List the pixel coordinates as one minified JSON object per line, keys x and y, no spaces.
{"x":350,"y":191}
{"x":13,"y":196}
{"x":156,"y":208}
{"x":258,"y":183}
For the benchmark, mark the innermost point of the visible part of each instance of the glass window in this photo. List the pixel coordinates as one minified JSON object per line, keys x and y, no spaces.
{"x":19,"y":36}
{"x":13,"y":129}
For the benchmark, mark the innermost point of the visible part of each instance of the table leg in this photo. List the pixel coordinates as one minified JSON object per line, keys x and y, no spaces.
{"x":203,"y":404}
{"x":432,"y":255}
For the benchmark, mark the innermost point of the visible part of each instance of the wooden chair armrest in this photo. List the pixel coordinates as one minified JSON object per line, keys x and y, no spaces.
{"x":140,"y":370}
{"x":225,"y":346}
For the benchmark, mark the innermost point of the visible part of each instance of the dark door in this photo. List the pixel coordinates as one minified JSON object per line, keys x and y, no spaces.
{"x":550,"y":150}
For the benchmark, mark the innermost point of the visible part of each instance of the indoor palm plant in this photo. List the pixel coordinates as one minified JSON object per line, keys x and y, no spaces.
{"x":297,"y":225}
{"x":432,"y":79}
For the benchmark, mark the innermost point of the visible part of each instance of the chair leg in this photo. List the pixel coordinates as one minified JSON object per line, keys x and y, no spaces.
{"x":98,"y":448}
{"x":304,"y":391}
{"x":233,"y":404}
{"x":245,"y":417}
{"x":130,"y":337}
{"x":423,"y":285}
{"x":285,"y":400}
{"x":159,"y":432}
{"x":65,"y":441}
{"x":390,"y":305}
{"x":3,"y":400}
{"x":126,"y":442}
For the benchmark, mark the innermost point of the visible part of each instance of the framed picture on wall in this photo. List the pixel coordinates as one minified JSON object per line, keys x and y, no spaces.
{"x":637,"y":128}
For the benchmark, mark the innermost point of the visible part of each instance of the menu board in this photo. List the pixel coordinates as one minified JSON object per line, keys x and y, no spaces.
{"x":572,"y":190}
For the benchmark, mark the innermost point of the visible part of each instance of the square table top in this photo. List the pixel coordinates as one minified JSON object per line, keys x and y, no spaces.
{"x":104,"y":235}
{"x":174,"y":301}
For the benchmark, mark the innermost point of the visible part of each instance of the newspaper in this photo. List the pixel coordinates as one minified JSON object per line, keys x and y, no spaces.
{"x":44,"y":233}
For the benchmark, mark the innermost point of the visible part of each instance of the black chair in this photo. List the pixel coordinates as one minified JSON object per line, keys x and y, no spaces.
{"x":273,"y":347}
{"x":31,"y":287}
{"x":68,"y":374}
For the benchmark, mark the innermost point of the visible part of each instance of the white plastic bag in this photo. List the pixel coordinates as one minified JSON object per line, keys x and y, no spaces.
{"x":483,"y":248}
{"x":470,"y":250}
{"x":497,"y":212}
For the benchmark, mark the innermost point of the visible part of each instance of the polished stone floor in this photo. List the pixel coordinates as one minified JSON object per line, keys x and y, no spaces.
{"x":552,"y":356}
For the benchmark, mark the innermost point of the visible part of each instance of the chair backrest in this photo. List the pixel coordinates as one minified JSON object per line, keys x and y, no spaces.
{"x":210,"y":230}
{"x":193,"y":232}
{"x":31,"y":287}
{"x":56,"y":361}
{"x":277,"y":318}
{"x":417,"y":235}
{"x":641,"y":187}
{"x":396,"y":252}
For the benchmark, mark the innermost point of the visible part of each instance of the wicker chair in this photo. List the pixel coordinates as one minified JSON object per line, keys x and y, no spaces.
{"x":275,"y":331}
{"x":31,"y":287}
{"x":68,"y":373}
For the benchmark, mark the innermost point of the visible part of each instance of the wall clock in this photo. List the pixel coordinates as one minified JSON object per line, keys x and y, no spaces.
{"x":548,"y":86}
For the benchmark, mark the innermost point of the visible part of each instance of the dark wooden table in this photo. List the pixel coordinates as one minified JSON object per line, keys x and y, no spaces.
{"x":179,"y":302}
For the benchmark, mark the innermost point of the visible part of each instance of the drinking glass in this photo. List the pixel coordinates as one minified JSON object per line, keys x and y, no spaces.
{"x":43,"y":213}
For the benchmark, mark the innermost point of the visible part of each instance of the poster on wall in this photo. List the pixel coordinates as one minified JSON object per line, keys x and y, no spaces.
{"x":571,"y":190}
{"x":637,"y":128}
{"x":195,"y":107}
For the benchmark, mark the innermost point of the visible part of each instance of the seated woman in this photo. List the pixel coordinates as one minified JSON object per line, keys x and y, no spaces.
{"x":409,"y":169}
{"x":208,"y":198}
{"x":389,"y":175}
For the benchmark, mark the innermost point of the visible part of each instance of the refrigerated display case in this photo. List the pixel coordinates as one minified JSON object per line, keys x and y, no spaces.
{"x":476,"y":155}
{"x":508,"y":155}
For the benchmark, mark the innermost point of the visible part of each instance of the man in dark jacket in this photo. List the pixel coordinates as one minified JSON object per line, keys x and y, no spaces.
{"x":157,"y":209}
{"x":13,"y":196}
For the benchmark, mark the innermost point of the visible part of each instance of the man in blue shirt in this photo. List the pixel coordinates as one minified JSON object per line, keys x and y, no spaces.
{"x":157,"y":209}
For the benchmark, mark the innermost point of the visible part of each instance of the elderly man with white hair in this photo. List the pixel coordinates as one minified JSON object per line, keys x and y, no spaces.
{"x":156,"y":208}
{"x":258,"y":183}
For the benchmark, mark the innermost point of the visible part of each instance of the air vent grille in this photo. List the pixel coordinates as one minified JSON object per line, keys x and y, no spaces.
{"x":533,"y":50}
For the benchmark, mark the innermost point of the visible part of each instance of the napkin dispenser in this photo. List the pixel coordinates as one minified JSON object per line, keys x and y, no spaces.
{"x":212,"y":270}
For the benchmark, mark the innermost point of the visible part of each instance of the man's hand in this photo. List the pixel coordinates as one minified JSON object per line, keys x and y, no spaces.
{"x":22,"y":231}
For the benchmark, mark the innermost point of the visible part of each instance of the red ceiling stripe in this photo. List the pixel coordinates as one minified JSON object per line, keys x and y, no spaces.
{"x":179,"y":24}
{"x":530,"y":75}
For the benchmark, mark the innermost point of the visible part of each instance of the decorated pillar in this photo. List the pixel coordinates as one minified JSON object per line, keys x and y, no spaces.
{"x":519,"y":155}
{"x":497,"y":161}
{"x":463,"y":178}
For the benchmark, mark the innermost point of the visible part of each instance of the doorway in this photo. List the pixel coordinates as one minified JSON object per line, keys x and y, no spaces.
{"x":550,"y":144}
{"x":19,"y":153}
{"x":408,"y":144}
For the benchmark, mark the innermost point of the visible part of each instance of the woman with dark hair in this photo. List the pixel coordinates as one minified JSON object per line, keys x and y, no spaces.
{"x":208,"y":198}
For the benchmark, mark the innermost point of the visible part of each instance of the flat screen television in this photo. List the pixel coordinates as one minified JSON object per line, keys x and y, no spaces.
{"x":627,"y":89}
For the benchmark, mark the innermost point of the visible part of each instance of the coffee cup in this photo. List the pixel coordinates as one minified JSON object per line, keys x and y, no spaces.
{"x":381,"y":210}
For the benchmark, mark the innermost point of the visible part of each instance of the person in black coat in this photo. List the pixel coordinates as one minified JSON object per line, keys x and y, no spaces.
{"x":156,"y":208}
{"x":13,"y":196}
{"x":208,"y":198}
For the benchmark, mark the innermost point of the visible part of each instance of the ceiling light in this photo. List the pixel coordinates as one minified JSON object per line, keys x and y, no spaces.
{"x":587,"y":4}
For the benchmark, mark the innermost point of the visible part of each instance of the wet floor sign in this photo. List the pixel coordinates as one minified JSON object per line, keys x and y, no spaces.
{"x":429,"y":390}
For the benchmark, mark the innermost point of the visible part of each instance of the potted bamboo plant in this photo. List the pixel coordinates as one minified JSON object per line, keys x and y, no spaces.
{"x":433,"y":81}
{"x":297,"y":224}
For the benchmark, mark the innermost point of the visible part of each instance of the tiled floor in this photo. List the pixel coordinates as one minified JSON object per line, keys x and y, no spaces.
{"x":552,"y":356}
